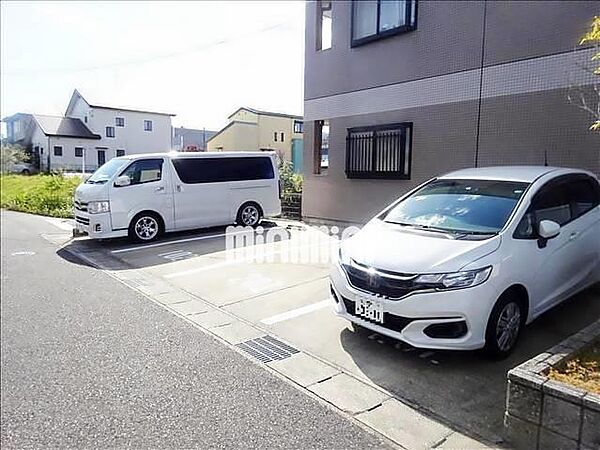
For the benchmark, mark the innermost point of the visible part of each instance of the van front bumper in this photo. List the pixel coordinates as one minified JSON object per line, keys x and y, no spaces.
{"x":450,"y":320}
{"x":96,"y":226}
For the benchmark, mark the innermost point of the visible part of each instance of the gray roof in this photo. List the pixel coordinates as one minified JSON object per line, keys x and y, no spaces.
{"x":267,"y":113}
{"x":64,"y":127}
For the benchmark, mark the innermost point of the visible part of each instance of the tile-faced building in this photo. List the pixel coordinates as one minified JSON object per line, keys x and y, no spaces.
{"x":397,"y":92}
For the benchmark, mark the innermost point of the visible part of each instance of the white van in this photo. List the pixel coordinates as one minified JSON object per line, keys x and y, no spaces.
{"x":144,"y":195}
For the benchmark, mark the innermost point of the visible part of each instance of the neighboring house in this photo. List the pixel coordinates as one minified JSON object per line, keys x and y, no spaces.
{"x":190,"y":140}
{"x":89,"y":133}
{"x":397,"y":92}
{"x":251,"y":129}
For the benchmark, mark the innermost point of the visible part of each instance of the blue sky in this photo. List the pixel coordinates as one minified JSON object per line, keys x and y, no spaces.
{"x":200,"y":60}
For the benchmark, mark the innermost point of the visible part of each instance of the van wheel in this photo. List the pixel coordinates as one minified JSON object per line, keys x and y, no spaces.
{"x":249,"y":215}
{"x":25,"y":172}
{"x":504,"y":327}
{"x":145,"y":227}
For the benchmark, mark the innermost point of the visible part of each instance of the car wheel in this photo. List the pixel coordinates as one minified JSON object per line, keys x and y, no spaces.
{"x":249,"y":215}
{"x":504,"y":326}
{"x":25,"y":172}
{"x":145,"y":227}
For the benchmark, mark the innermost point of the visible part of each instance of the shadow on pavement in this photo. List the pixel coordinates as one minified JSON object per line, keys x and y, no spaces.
{"x":464,"y":389}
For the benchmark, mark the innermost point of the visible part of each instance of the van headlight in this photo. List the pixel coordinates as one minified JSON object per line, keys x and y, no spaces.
{"x":454,"y":280}
{"x":98,"y":207}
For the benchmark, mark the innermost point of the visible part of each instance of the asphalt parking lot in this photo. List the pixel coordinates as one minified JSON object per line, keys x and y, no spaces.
{"x":289,"y":300}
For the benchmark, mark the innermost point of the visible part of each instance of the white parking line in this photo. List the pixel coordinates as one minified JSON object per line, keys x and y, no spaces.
{"x":296,"y":312}
{"x":179,"y":241}
{"x":239,"y":260}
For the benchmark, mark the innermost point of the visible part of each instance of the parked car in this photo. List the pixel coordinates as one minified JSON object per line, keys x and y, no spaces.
{"x":142,"y":196}
{"x":22,"y":168}
{"x":465,"y":260}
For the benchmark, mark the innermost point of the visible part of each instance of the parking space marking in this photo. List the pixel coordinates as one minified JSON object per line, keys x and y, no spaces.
{"x":241,"y":260}
{"x":296,"y":312}
{"x":178,"y":241}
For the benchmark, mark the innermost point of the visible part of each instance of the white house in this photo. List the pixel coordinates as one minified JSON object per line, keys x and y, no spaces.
{"x":89,"y":133}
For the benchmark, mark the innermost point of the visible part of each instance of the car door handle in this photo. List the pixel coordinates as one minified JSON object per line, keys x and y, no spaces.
{"x":159,"y":189}
{"x":572,"y":236}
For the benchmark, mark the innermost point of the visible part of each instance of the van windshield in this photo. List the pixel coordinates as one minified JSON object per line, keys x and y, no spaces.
{"x":459,"y":206}
{"x":106,"y":171}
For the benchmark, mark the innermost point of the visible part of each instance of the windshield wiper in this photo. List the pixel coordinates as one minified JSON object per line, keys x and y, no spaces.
{"x":423,"y":227}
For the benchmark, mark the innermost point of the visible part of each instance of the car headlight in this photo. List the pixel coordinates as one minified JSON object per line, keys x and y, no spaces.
{"x":343,"y":257}
{"x":98,"y":207}
{"x":454,"y":280}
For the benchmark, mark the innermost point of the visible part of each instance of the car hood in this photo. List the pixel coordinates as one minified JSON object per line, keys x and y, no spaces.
{"x":86,"y":193}
{"x":397,"y":249}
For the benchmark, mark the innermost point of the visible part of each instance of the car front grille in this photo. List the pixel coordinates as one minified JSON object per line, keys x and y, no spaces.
{"x":80,"y":206}
{"x":379,"y":282}
{"x":82,"y":220}
{"x":390,"y":321}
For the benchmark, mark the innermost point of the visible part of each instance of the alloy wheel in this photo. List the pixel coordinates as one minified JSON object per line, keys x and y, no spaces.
{"x":146,"y":228}
{"x":508,"y":325}
{"x":250,"y":215}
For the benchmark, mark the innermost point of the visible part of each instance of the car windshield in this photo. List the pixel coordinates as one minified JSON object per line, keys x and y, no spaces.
{"x":106,"y":171}
{"x":461,"y":206}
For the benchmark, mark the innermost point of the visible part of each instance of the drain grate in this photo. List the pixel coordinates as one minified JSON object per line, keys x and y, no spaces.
{"x":267,"y":348}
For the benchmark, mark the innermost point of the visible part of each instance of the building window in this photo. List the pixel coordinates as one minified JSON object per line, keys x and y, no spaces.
{"x":376,"y":19}
{"x":120,"y":152}
{"x":282,"y":137}
{"x":120,"y":121}
{"x":110,"y":132}
{"x":275,"y":136}
{"x":298,"y":126}
{"x":379,"y":152}
{"x":79,"y":152}
{"x":147,"y":125}
{"x":324,"y":25}
{"x":321,"y":147}
{"x":57,"y":150}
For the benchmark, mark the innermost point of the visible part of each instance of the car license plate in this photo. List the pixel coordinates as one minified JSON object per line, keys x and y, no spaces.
{"x":369,"y":309}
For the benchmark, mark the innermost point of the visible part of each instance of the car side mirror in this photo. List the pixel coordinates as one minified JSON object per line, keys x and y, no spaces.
{"x":123,"y":180}
{"x":548,"y":229}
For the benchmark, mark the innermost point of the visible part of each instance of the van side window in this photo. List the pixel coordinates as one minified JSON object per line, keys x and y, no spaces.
{"x":144,"y":171}
{"x":218,"y":170}
{"x":551,"y":203}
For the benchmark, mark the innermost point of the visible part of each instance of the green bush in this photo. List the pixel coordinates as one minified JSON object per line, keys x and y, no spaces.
{"x":48,"y":195}
{"x":292,"y":182}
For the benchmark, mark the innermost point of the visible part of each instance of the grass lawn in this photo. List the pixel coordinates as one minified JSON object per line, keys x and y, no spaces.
{"x":583,"y":371}
{"x":49,"y":195}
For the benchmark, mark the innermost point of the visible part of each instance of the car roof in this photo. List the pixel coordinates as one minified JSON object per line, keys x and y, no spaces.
{"x":197,"y":154}
{"x":526,"y":174}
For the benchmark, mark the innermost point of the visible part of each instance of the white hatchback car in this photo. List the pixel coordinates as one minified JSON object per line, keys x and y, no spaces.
{"x":466,"y":259}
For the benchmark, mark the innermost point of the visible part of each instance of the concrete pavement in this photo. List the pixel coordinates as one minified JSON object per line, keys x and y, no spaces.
{"x":88,"y":362}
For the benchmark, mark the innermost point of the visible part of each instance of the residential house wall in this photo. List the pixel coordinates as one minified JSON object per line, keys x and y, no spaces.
{"x":472,"y":101}
{"x":257,"y":130}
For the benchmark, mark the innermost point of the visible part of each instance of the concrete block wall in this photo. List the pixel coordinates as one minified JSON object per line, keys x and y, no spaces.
{"x":545,"y":414}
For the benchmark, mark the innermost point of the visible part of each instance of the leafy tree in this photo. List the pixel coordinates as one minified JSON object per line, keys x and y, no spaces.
{"x":11,"y":154}
{"x":587,"y":100}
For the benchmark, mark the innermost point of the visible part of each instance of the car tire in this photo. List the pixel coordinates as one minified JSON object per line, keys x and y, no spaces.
{"x":504,"y":326}
{"x":25,"y":172}
{"x":145,"y":227}
{"x":249,"y":215}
